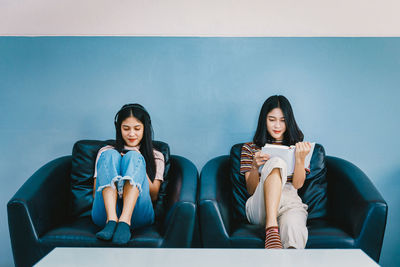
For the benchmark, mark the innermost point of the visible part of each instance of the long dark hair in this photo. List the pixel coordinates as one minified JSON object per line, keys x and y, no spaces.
{"x":146,"y":144}
{"x":292,"y":134}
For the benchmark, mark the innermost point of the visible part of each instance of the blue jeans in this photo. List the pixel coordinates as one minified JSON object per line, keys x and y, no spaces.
{"x":113,"y":170}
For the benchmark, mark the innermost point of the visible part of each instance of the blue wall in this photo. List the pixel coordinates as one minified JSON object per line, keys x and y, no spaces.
{"x":204,"y":95}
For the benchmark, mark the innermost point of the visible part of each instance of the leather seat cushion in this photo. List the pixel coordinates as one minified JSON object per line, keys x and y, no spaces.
{"x":82,"y":233}
{"x":321,"y":234}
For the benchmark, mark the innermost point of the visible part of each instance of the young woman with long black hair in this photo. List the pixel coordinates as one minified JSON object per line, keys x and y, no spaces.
{"x":274,"y":202}
{"x":127,"y":177}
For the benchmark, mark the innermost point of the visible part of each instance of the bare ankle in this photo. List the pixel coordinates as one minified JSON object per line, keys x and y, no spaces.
{"x":128,"y":222}
{"x":112,"y":219}
{"x":271,"y":223}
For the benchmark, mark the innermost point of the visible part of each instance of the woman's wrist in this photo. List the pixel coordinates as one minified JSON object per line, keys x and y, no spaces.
{"x":254,"y":167}
{"x":299,"y":161}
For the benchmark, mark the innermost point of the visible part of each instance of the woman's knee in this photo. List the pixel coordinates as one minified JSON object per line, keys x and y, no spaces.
{"x":132,"y":156}
{"x":276,"y":172}
{"x":111,"y":154}
{"x":278,"y":162}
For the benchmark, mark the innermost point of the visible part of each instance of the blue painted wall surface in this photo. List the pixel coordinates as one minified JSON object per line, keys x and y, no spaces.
{"x":204,"y":95}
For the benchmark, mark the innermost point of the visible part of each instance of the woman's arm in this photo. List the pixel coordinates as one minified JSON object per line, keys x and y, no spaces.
{"x":94,"y":187}
{"x":253,"y":177}
{"x":252,"y":180}
{"x":299,"y":174}
{"x":154,"y":188}
{"x":160,"y":166}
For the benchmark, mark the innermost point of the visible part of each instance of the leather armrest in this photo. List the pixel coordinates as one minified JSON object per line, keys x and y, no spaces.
{"x":181,"y":203}
{"x":39,"y":205}
{"x":356,"y":205}
{"x":215,"y":203}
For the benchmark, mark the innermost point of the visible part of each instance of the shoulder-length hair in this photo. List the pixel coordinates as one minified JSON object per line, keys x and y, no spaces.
{"x":146,"y":144}
{"x":292,"y":134}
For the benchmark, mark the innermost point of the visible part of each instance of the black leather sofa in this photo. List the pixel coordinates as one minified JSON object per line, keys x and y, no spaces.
{"x":345,"y":209}
{"x":52,"y":208}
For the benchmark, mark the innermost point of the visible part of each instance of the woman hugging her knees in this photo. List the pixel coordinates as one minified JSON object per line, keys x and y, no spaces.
{"x":127,"y":177}
{"x":274,"y":202}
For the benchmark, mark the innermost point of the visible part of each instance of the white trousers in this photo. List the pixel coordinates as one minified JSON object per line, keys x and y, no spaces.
{"x":292,"y":212}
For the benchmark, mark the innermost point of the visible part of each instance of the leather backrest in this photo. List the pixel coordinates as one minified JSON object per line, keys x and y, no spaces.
{"x":239,"y":190}
{"x":313,"y":192}
{"x":84,"y":155}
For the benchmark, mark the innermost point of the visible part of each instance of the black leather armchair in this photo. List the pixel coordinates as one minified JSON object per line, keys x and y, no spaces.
{"x":352,"y":213}
{"x":40,"y":217}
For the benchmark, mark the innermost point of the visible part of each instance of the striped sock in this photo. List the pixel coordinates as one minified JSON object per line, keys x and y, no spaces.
{"x":272,"y":237}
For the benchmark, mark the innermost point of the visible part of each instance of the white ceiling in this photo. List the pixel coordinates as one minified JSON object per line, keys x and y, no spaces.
{"x":200,"y":18}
